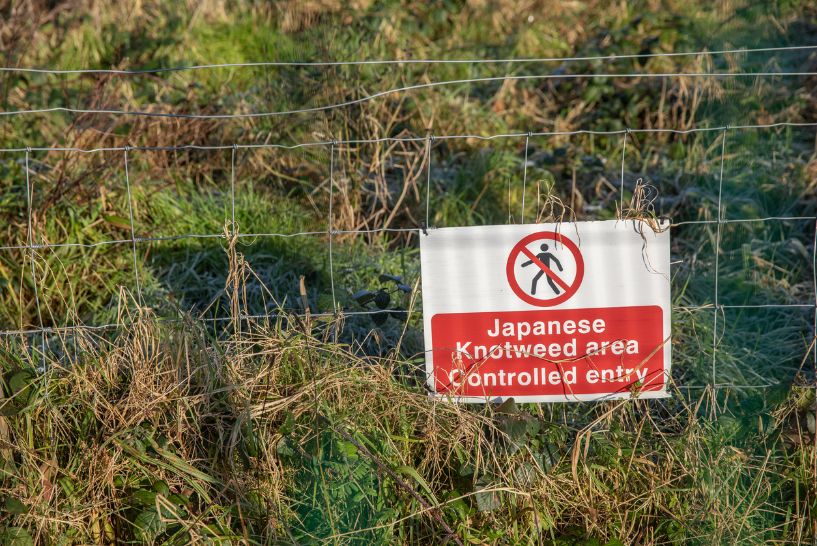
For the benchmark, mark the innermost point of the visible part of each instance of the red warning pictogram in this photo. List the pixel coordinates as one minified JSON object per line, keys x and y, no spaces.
{"x":542,"y":262}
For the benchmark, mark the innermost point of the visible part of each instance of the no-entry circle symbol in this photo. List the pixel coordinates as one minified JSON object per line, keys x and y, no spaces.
{"x":545,"y":264}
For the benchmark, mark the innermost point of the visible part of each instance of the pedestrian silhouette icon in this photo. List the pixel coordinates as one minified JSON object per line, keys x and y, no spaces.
{"x":545,"y":257}
{"x":561,"y":264}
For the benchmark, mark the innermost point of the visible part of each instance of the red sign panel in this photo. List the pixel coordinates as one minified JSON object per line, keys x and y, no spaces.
{"x":562,"y":352}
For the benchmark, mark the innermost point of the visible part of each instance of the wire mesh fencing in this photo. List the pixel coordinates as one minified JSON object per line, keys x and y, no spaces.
{"x":729,"y":225}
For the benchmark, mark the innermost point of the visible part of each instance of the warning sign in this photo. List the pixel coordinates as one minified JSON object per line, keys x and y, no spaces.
{"x":547,"y":312}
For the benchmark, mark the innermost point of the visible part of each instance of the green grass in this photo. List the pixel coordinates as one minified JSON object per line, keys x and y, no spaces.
{"x":170,"y":429}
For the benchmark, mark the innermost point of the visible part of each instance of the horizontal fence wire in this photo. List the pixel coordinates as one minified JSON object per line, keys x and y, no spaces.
{"x":403,"y":89}
{"x":168,"y":238}
{"x":288,"y":313}
{"x":350,"y":142}
{"x":333,"y":145}
{"x":401,"y":62}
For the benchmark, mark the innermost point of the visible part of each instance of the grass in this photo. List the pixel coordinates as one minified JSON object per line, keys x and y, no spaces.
{"x":186,"y":423}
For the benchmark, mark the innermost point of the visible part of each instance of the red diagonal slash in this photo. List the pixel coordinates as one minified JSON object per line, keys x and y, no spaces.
{"x":548,"y":271}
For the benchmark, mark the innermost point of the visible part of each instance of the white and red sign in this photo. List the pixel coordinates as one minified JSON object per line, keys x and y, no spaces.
{"x":547,"y":312}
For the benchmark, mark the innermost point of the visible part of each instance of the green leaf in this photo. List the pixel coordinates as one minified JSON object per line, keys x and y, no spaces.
{"x":161,"y":488}
{"x":348,"y":449}
{"x":487,"y":501}
{"x":139,"y":445}
{"x":364,"y":296}
{"x":143,"y":497}
{"x":171,"y":461}
{"x":466,"y":470}
{"x":508,"y":406}
{"x":20,"y":389}
{"x":117,"y":221}
{"x":16,"y":536}
{"x":547,"y":458}
{"x":382,"y":299}
{"x":149,"y":525}
{"x":8,"y":409}
{"x":412,"y":472}
{"x":457,"y":505}
{"x":532,"y":423}
{"x":178,"y":499}
{"x":289,"y":424}
{"x":515,"y":428}
{"x":67,"y":486}
{"x":282,"y":448}
{"x":20,"y":380}
{"x":15,"y":506}
{"x":524,"y":474}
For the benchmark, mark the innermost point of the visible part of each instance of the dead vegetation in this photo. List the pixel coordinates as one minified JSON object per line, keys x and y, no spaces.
{"x":187,"y":422}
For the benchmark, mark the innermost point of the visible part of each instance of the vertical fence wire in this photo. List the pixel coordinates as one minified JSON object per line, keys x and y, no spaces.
{"x":32,"y":256}
{"x":525,"y":176}
{"x":621,"y":190}
{"x":814,"y":290}
{"x":331,"y":223}
{"x":429,"y":139}
{"x":717,"y":264}
{"x":232,"y":189}
{"x":237,"y":312}
{"x":132,"y":230}
{"x":510,"y":213}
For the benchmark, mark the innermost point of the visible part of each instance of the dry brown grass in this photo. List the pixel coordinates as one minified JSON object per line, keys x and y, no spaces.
{"x":227,"y":433}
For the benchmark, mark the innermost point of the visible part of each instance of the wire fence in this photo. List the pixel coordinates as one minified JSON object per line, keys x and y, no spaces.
{"x":31,"y":247}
